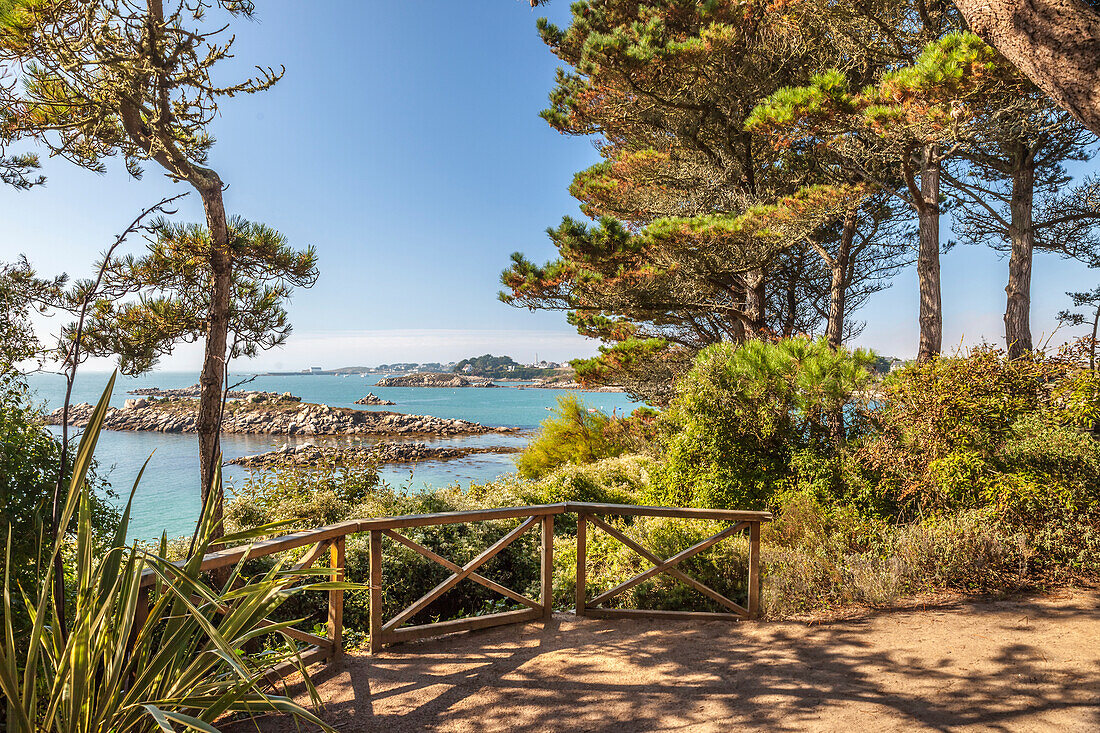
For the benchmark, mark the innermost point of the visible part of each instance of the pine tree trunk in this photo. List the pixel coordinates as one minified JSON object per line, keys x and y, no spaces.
{"x":792,"y":307}
{"x":1018,"y":309}
{"x":928,"y":257}
{"x":212,"y":378}
{"x":1092,"y":344}
{"x":1055,"y":43}
{"x":838,"y":282}
{"x":754,"y":300}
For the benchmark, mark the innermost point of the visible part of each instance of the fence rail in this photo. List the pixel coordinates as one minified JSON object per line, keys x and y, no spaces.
{"x":331,"y":540}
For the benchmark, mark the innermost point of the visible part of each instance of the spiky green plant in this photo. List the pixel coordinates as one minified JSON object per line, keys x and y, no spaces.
{"x":181,"y":668}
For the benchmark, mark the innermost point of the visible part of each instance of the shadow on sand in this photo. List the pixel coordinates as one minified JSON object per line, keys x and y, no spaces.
{"x":1008,"y":665}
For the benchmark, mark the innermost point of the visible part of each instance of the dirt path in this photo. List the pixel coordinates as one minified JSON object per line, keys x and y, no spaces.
{"x":1019,"y":665}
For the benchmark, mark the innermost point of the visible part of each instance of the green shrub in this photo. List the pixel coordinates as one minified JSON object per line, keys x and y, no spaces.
{"x":312,"y":495}
{"x":981,"y":430}
{"x":571,"y":434}
{"x":743,"y":413}
{"x":30,"y":458}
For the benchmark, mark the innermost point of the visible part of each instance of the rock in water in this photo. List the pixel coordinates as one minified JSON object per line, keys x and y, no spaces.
{"x":373,"y":399}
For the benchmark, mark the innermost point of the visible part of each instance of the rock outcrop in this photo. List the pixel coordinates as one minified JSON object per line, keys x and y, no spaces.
{"x":372,"y":399}
{"x":433,"y":379}
{"x":568,"y":385}
{"x":192,"y":393}
{"x":313,"y":455}
{"x":279,"y":418}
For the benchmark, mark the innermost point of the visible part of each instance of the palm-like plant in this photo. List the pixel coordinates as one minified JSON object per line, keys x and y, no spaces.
{"x":179,"y":667}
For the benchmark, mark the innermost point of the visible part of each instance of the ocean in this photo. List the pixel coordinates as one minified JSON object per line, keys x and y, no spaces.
{"x":168,"y":498}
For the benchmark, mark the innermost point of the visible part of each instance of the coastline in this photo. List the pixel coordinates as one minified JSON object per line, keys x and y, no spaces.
{"x":310,"y":455}
{"x":273,"y":417}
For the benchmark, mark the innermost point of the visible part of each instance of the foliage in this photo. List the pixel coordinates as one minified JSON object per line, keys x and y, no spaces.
{"x":94,"y":87}
{"x":30,"y":458}
{"x":981,"y":430}
{"x":571,"y":434}
{"x":703,"y":229}
{"x":182,"y":665}
{"x":500,"y":367}
{"x":22,"y":293}
{"x":743,"y":413}
{"x":173,"y":284}
{"x":307,"y":497}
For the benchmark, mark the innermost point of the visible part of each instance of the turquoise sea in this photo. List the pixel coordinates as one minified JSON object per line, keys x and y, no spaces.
{"x":168,"y":498}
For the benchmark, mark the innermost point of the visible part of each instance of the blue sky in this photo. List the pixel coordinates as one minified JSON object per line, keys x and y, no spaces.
{"x":404,"y":143}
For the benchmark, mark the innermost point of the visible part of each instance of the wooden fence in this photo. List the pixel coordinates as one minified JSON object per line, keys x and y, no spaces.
{"x":331,"y":540}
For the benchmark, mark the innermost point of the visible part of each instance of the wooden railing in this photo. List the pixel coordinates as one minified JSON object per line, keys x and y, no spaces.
{"x":331,"y":540}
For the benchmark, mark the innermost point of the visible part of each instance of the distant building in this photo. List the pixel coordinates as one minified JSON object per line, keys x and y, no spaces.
{"x":315,"y":370}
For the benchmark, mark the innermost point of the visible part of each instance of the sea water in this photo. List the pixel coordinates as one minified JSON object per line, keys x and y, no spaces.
{"x":168,"y":498}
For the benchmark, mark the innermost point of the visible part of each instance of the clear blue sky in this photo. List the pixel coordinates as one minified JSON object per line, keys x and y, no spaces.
{"x":404,"y":143}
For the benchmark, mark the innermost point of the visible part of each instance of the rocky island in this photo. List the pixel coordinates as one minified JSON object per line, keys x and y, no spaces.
{"x":433,"y":379}
{"x":278,"y":415}
{"x":313,"y":455}
{"x":372,"y":399}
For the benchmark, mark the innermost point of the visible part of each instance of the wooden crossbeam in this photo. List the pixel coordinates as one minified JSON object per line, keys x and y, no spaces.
{"x":463,"y":573}
{"x":455,"y":568}
{"x":668,"y":566}
{"x":312,"y":556}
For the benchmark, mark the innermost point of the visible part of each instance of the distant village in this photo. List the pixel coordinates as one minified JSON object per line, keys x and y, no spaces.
{"x":474,"y":366}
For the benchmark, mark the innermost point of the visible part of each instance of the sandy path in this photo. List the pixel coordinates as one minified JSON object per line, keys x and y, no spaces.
{"x":1018,"y":665}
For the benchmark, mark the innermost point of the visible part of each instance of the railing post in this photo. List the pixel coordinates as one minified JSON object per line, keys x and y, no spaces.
{"x":141,"y":615}
{"x":336,"y":600}
{"x":547,"y":598}
{"x":375,"y":581}
{"x":582,"y":548}
{"x":754,"y":569}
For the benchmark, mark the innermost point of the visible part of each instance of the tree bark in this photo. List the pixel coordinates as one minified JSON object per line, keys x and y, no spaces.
{"x":838,"y":281}
{"x":1092,"y":344}
{"x":792,"y":306}
{"x":928,"y":257}
{"x":1018,"y":308}
{"x":754,"y":300}
{"x":1055,"y":43}
{"x":212,"y":377}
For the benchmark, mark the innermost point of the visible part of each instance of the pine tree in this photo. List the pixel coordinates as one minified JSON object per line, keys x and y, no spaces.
{"x":1013,"y":195}
{"x":115,"y":77}
{"x":667,"y":88}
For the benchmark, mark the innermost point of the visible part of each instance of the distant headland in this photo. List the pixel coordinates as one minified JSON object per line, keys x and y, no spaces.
{"x":486,"y":366}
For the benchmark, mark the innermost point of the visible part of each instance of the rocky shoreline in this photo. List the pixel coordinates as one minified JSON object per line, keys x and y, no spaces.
{"x":570,"y":385}
{"x":281,"y":417}
{"x":313,"y":455}
{"x":432,"y":379}
{"x":194,"y":391}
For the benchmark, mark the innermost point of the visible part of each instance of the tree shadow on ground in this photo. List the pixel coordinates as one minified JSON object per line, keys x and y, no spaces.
{"x":1006,"y":665}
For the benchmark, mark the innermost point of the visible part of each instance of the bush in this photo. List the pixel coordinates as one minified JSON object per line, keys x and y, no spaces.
{"x":30,"y":458}
{"x":571,"y":434}
{"x":743,"y":413}
{"x":312,"y":496}
{"x":981,"y":431}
